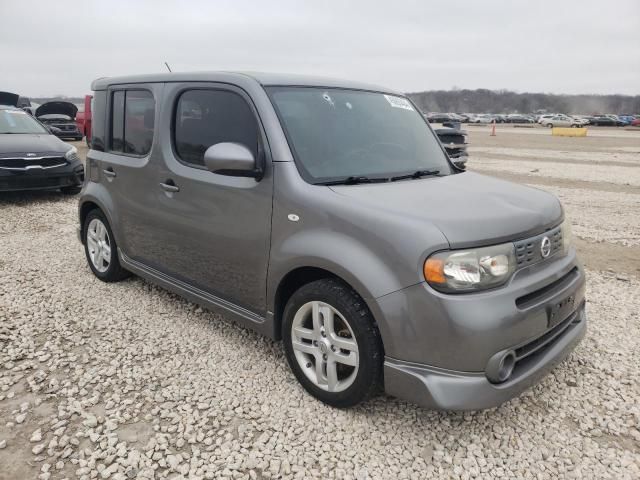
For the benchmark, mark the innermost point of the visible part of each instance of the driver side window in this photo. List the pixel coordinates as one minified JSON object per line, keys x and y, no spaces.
{"x":207,"y":117}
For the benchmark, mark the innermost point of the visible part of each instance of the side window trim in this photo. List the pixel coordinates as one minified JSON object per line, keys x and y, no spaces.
{"x":262,"y":147}
{"x":109,"y":142}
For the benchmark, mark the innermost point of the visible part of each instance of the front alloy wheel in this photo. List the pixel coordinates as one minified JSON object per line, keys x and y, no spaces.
{"x":325,"y":346}
{"x":332,"y":343}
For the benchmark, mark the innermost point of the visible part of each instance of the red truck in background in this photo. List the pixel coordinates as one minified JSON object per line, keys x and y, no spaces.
{"x":83,"y":119}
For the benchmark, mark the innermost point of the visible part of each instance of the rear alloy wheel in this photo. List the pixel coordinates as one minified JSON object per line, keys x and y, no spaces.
{"x":332,"y":344}
{"x":550,"y":125}
{"x":101,"y":249}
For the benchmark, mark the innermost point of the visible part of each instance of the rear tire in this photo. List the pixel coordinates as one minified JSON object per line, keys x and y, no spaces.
{"x":550,"y":125}
{"x":332,"y":343}
{"x":101,"y":249}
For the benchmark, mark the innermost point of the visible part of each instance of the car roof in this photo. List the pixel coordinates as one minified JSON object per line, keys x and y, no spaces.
{"x":263,"y":78}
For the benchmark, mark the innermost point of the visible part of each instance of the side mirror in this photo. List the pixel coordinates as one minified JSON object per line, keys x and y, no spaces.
{"x":231,"y":159}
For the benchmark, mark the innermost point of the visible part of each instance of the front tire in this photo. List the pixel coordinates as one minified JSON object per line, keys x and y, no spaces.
{"x":101,"y":249}
{"x":332,"y":343}
{"x":549,"y":125}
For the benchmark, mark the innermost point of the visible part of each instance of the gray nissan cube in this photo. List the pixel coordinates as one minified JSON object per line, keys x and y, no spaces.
{"x":326,"y":214}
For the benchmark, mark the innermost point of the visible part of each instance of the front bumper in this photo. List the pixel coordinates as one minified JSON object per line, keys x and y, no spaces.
{"x":42,"y":179}
{"x":449,"y":390}
{"x":441,"y":348}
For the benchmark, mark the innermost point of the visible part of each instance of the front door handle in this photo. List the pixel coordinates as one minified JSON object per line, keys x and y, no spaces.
{"x":170,"y":186}
{"x":109,"y":172}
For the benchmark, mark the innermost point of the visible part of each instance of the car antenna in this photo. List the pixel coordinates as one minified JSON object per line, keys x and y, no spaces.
{"x":168,"y":67}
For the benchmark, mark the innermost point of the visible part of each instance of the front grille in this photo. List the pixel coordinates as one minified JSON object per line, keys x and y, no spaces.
{"x":528,"y":251}
{"x":25,"y":163}
{"x":25,"y":182}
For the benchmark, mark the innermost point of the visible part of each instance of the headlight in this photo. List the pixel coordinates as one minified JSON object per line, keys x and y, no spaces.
{"x":566,"y":235}
{"x":470,"y":270}
{"x":72,"y":154}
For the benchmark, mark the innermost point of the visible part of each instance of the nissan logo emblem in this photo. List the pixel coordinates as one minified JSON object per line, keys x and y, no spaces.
{"x":545,"y":247}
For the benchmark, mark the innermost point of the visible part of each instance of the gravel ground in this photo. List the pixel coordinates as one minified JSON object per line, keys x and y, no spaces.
{"x":619,"y":175}
{"x":126,"y":381}
{"x":605,"y":217}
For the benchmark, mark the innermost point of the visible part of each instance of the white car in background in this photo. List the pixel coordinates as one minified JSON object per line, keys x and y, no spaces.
{"x":561,"y":121}
{"x":481,"y":118}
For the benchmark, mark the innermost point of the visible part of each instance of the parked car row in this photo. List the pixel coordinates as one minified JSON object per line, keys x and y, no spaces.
{"x":547,"y":119}
{"x":59,"y":117}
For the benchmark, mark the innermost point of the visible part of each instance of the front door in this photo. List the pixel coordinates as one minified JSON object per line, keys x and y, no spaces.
{"x":212,"y":231}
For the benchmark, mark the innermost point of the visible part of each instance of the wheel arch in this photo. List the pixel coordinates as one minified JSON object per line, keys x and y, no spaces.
{"x":87,"y":204}
{"x":303,"y":275}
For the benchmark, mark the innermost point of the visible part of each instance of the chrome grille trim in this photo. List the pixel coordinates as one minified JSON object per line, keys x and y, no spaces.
{"x":528,"y":250}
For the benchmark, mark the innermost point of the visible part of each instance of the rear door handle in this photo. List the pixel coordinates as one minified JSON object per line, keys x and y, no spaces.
{"x":109,"y":172}
{"x":169,"y":186}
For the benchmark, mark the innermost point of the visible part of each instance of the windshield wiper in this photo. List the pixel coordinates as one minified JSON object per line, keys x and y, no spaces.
{"x":416,"y":174}
{"x":353,"y":180}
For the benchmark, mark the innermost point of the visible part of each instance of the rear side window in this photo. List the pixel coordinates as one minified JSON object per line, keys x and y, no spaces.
{"x":132,"y":120}
{"x":117,"y":122}
{"x":207,"y":117}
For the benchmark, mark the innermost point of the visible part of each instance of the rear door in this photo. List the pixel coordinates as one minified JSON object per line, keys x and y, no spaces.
{"x":127,"y":164}
{"x":211,"y":231}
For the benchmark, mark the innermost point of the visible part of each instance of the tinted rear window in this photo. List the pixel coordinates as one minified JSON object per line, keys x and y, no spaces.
{"x":132,"y":121}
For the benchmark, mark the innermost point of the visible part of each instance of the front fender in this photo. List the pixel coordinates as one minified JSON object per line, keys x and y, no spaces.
{"x":368,"y":274}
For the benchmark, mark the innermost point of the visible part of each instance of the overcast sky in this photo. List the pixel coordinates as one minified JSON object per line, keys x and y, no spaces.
{"x":582,"y":46}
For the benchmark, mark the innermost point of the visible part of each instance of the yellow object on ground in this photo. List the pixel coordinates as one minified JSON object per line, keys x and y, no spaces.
{"x":569,"y":132}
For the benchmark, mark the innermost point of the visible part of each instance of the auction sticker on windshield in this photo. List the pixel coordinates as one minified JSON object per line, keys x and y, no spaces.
{"x":398,"y":102}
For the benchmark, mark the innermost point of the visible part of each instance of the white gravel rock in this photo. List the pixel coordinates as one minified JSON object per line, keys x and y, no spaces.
{"x":138,"y":383}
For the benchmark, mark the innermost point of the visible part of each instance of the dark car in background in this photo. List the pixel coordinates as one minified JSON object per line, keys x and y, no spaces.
{"x":439,"y":117}
{"x":31,"y":158}
{"x":454,"y":142}
{"x":517,"y":118}
{"x":62,"y":116}
{"x":602,"y":121}
{"x":9,"y":99}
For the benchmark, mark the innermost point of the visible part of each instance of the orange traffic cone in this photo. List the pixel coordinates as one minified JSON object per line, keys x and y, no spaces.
{"x":493,"y":129}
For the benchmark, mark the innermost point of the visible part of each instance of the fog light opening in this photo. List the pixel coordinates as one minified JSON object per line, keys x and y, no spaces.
{"x":506,"y":366}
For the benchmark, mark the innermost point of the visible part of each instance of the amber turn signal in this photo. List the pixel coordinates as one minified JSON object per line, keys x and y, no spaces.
{"x":434,"y":271}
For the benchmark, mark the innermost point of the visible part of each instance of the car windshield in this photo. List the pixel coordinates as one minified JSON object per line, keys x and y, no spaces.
{"x":19,"y":121}
{"x":339,"y":135}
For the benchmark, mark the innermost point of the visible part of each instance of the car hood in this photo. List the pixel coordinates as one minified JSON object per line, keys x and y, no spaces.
{"x":31,"y":143}
{"x":468,"y":208}
{"x":60,"y":108}
{"x":8,"y":98}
